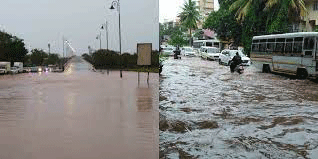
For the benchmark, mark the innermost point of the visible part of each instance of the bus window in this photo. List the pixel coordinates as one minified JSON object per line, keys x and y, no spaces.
{"x":270,"y":47}
{"x":279,"y":47}
{"x":280,"y":44}
{"x":263,"y":41}
{"x":216,"y":44}
{"x":309,"y":43}
{"x":298,"y":47}
{"x":271,"y":40}
{"x":208,"y":44}
{"x":289,"y":45}
{"x":255,"y":41}
{"x":255,"y":48}
{"x":262,"y":47}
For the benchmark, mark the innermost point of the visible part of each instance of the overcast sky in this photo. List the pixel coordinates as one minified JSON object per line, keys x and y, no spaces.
{"x":40,"y":22}
{"x":169,"y":9}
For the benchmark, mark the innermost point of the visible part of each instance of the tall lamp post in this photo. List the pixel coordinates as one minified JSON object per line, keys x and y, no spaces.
{"x":49,"y":45}
{"x":106,"y":29}
{"x":116,"y":3}
{"x":100,"y":39}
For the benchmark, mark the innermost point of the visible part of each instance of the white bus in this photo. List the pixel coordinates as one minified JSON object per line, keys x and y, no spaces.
{"x":290,"y":53}
{"x":211,"y":42}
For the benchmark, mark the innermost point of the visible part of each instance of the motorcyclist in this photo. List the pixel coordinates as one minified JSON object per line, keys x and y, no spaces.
{"x":235,"y":61}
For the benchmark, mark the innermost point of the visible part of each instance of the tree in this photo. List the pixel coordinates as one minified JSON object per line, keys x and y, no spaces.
{"x":190,"y":16}
{"x":37,"y":57}
{"x":53,"y":59}
{"x":283,"y":12}
{"x":11,"y":48}
{"x":223,"y":22}
{"x":178,"y":38}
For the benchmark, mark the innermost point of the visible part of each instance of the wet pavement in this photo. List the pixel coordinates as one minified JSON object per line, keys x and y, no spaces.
{"x":208,"y":112}
{"x":79,"y":114}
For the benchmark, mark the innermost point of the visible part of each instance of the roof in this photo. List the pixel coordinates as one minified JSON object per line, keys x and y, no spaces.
{"x":286,"y":35}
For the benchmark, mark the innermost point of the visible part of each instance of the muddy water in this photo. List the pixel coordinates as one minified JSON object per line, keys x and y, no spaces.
{"x":78,"y":114}
{"x":207,"y":112}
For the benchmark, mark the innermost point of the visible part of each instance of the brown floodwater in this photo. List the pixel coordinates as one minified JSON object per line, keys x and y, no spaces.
{"x":79,"y":114}
{"x":208,"y":112}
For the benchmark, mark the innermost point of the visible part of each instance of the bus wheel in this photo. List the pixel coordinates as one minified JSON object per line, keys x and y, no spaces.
{"x":266,"y":68}
{"x":302,"y":73}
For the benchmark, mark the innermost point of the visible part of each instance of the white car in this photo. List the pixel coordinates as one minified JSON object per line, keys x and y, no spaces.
{"x":167,"y":51}
{"x":209,"y":53}
{"x":227,"y":55}
{"x":14,"y":70}
{"x":187,"y":51}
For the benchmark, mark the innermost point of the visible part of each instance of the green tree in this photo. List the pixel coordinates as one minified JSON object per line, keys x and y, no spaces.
{"x":283,"y":12}
{"x":11,"y":48}
{"x":190,"y":16}
{"x":178,"y":38}
{"x":37,"y":57}
{"x":223,"y":22}
{"x":53,"y":59}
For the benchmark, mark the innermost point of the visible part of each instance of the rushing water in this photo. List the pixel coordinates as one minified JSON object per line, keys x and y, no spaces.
{"x":208,"y":112}
{"x":79,"y":114}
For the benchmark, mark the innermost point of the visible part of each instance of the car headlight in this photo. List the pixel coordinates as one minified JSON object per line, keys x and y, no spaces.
{"x":40,"y":69}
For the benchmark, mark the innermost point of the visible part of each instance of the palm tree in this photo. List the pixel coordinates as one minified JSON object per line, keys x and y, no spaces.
{"x":293,"y":9}
{"x":189,"y":16}
{"x":242,"y":7}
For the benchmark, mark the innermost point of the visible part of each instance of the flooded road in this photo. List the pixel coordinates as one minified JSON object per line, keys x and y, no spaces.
{"x":79,"y":114}
{"x":207,"y":112}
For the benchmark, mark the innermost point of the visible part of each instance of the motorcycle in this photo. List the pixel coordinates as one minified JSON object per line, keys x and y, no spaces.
{"x":238,"y":68}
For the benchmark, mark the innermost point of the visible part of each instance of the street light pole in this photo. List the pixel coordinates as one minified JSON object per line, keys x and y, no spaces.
{"x":49,"y":48}
{"x":118,"y":9}
{"x":100,"y":40}
{"x":107,"y":33}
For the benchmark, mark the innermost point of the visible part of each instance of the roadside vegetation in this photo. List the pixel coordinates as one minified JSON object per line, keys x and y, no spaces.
{"x":12,"y":49}
{"x":108,"y":59}
{"x":237,"y":21}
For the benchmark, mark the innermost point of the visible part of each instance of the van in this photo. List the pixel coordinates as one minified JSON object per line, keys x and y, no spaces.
{"x":5,"y":67}
{"x":19,"y":66}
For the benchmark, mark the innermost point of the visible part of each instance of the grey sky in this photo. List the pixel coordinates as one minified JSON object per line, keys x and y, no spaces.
{"x":40,"y":22}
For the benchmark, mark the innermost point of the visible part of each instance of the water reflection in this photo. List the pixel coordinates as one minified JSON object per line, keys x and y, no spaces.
{"x":144,"y":99}
{"x":77,"y":114}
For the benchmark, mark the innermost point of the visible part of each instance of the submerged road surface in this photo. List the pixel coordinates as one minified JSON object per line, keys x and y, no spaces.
{"x":79,"y":114}
{"x":208,"y":112}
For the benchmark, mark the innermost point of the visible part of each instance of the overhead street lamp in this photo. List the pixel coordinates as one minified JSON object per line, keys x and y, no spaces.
{"x":116,"y":3}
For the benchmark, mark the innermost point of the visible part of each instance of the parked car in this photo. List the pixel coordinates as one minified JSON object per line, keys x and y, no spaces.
{"x":187,"y":51}
{"x":26,"y":69}
{"x":14,"y":70}
{"x":34,"y":69}
{"x":209,"y":53}
{"x":168,"y":51}
{"x":227,"y":55}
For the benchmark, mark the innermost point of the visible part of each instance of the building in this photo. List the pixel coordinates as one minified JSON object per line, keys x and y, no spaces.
{"x":309,"y":22}
{"x":205,"y":7}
